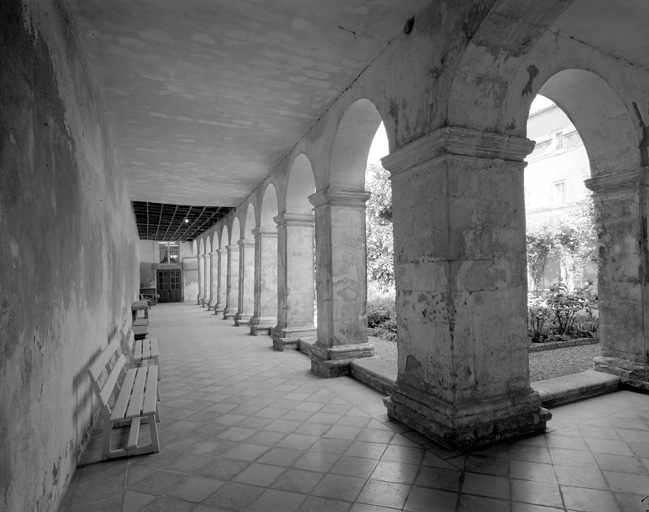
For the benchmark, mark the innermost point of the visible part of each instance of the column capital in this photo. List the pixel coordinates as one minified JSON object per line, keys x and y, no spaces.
{"x":214,"y":253}
{"x":339,"y":197}
{"x":201,"y":256}
{"x":221,"y":251}
{"x":461,"y":142}
{"x":232,"y":248}
{"x":621,"y":181}
{"x":242,"y":242}
{"x":265,"y":232}
{"x":295,"y":219}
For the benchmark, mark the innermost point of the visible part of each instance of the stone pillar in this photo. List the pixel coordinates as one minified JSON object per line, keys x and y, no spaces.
{"x":222,"y":281}
{"x":295,"y":286}
{"x":265,"y":313}
{"x":460,"y":268}
{"x":232,"y":290}
{"x":214,"y":269}
{"x":341,"y":281}
{"x":246,"y":282}
{"x":199,"y":299}
{"x":623,"y":283}
{"x":206,"y":280}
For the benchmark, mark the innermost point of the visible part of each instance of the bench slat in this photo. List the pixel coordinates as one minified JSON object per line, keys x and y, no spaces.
{"x":133,"y":434}
{"x":119,"y":411}
{"x":137,"y":396}
{"x":137,"y":351}
{"x":111,"y":382}
{"x":154,"y":348}
{"x":146,"y":349}
{"x":151,"y":397}
{"x":99,"y":366}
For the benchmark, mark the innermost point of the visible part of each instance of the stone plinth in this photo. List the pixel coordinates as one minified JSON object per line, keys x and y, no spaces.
{"x":295,"y":284}
{"x":246,"y":282}
{"x":265,"y":312}
{"x":460,"y":268}
{"x":232,"y":290}
{"x":620,"y":200}
{"x":341,"y":280}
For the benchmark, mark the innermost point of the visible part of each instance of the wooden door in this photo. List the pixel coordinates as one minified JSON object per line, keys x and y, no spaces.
{"x":169,"y":285}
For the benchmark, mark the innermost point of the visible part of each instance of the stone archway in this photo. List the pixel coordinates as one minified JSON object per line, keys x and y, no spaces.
{"x":619,"y":189}
{"x":265,"y":311}
{"x":295,"y":286}
{"x":246,"y":269}
{"x":341,"y":245}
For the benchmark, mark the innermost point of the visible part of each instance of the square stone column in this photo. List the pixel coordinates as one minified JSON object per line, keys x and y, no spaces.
{"x":341,"y":273}
{"x":221,"y":280}
{"x":265,"y":314}
{"x":246,"y":282}
{"x":214,"y":269}
{"x":460,"y":269}
{"x":623,"y":283}
{"x":200,"y":260}
{"x":232,"y":289}
{"x":295,"y":281}
{"x":206,"y":280}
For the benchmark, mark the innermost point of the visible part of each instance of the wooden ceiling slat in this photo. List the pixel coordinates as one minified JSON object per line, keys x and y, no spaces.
{"x":165,"y":222}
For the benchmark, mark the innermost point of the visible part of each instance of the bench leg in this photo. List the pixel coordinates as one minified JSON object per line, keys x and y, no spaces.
{"x":153,"y":428}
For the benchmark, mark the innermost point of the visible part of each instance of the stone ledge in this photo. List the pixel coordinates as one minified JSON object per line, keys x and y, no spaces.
{"x":381,"y":375}
{"x":376,"y":373}
{"x":572,"y":388}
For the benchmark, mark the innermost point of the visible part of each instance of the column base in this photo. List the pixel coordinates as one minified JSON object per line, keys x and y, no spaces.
{"x":463,"y":426}
{"x":262,"y":325}
{"x":336,"y":361}
{"x":210,"y":305}
{"x":199,"y":300}
{"x":218,"y":309}
{"x":205,"y":302}
{"x":242,"y":319}
{"x":633,"y":374}
{"x":289,"y":338}
{"x":229,"y":314}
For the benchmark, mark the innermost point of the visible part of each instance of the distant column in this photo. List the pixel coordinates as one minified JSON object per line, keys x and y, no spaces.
{"x":206,"y":280}
{"x":342,"y":281}
{"x":214,"y":268}
{"x":199,"y":299}
{"x":265,"y":313}
{"x":621,"y":200}
{"x":295,"y":281}
{"x":246,"y":282}
{"x":221,"y":280}
{"x":232,"y":290}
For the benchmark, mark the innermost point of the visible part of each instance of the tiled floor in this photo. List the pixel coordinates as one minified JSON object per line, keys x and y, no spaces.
{"x":247,"y":428}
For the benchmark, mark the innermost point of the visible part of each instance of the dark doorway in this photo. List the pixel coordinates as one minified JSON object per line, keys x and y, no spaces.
{"x":169,"y":285}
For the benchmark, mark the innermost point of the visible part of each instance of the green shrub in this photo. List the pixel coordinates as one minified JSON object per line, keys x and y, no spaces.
{"x":381,"y":315}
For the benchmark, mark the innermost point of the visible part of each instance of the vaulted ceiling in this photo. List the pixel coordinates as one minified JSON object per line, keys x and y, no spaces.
{"x":205,"y":97}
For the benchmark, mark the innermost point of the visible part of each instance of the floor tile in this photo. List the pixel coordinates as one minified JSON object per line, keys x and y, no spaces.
{"x":254,"y":429}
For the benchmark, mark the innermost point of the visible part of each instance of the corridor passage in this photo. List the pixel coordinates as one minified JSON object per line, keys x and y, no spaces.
{"x":247,"y":428}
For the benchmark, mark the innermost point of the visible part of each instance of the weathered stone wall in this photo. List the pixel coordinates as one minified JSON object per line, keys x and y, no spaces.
{"x":68,"y":257}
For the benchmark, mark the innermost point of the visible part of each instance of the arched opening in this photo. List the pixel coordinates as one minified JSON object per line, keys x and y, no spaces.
{"x":222,"y":271}
{"x":232,"y":288}
{"x":265,"y":307}
{"x":295,"y":260}
{"x":585,"y":139}
{"x":246,"y":299}
{"x":381,"y":314}
{"x":341,"y":239}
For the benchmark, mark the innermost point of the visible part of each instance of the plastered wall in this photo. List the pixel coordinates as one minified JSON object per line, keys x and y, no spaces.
{"x":68,"y":250}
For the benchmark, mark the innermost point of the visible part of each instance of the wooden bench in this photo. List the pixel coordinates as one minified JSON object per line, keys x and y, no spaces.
{"x":127,"y":397}
{"x":144,"y":350}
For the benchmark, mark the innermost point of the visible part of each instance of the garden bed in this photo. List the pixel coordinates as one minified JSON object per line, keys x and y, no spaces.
{"x":551,"y":345}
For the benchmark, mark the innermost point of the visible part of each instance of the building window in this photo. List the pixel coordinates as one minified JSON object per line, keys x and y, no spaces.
{"x":559,"y":193}
{"x":558,"y":140}
{"x":170,"y":253}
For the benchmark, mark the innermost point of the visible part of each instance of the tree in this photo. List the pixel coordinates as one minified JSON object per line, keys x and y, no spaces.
{"x":380,"y":242}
